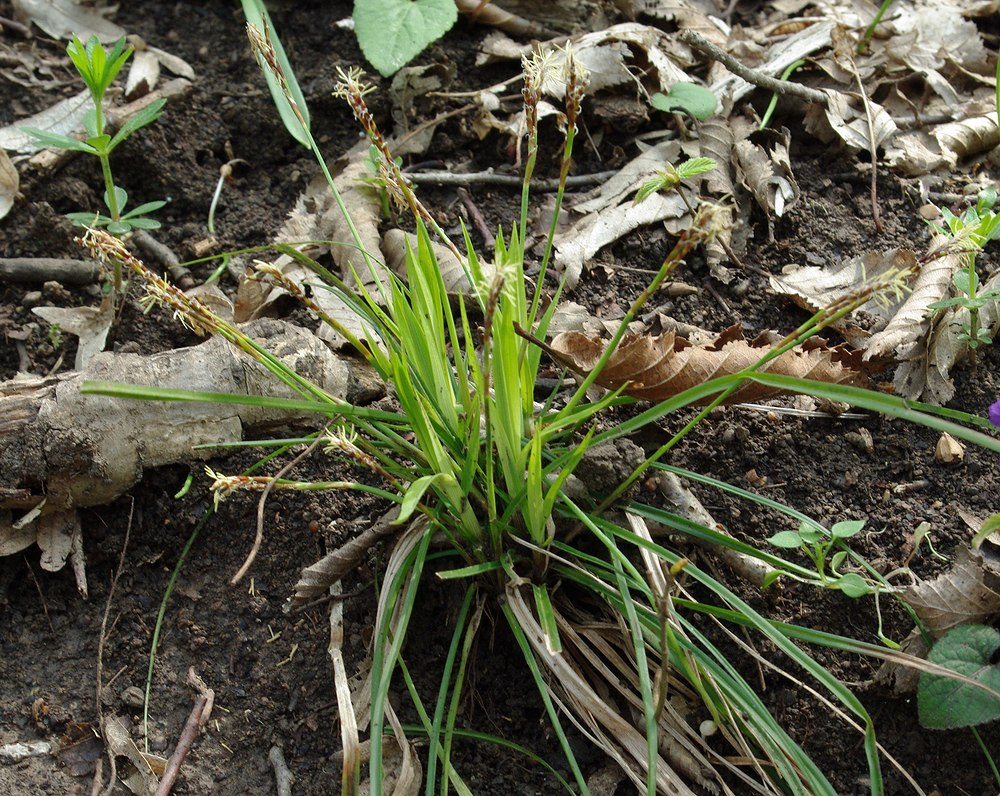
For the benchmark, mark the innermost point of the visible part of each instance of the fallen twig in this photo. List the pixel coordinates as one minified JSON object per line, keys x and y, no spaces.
{"x":196,"y":720}
{"x":283,"y":777}
{"x":49,"y":269}
{"x":758,"y":79}
{"x":477,"y":217}
{"x":164,"y":255}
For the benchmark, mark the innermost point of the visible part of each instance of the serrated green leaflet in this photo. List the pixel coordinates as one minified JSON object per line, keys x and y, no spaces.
{"x":393,"y":32}
{"x":943,"y":703}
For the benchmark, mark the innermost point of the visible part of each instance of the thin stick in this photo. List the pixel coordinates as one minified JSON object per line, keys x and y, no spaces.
{"x":477,"y":217}
{"x":759,"y":79}
{"x":873,"y":150}
{"x":191,"y":730}
{"x":252,"y":555}
{"x":488,"y":177}
{"x":283,"y":777}
{"x":41,"y":595}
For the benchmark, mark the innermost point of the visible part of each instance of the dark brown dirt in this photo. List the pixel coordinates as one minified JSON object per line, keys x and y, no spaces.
{"x":270,"y":671}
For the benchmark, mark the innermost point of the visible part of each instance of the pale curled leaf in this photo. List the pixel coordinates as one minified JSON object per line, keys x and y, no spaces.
{"x":90,"y":324}
{"x":10,"y":182}
{"x":656,"y":368}
{"x":456,"y":283}
{"x":967,"y":593}
{"x":62,"y":19}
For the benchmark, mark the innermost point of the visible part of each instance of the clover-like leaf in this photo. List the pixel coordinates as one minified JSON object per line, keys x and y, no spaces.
{"x":944,"y":703}
{"x":393,"y":32}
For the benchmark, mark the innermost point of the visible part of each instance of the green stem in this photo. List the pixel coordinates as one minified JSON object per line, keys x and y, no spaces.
{"x":109,"y":190}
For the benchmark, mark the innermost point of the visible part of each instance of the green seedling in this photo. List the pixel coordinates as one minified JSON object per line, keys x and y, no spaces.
{"x":818,"y":546}
{"x":977,"y":226}
{"x":870,"y":30}
{"x":789,"y":70}
{"x":55,"y":336}
{"x":98,"y":68}
{"x":672,"y":176}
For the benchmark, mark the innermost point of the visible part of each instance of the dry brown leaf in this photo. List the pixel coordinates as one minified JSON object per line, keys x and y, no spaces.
{"x":657,"y":368}
{"x":456,"y":283}
{"x":912,"y":319}
{"x":10,"y":182}
{"x":64,"y":18}
{"x":968,"y":593}
{"x":848,"y":120}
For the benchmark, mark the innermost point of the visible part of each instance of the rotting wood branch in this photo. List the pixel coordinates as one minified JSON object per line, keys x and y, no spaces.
{"x":61,"y":450}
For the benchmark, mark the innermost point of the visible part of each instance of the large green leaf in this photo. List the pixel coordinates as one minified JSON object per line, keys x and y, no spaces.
{"x":393,"y":32}
{"x":943,"y":703}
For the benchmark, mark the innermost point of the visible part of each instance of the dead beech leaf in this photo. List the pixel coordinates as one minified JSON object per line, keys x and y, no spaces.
{"x":10,"y":182}
{"x":849,"y":121}
{"x":968,"y":593}
{"x":394,"y":244}
{"x":924,"y":373}
{"x":64,"y":118}
{"x":912,"y":319}
{"x":657,"y":368}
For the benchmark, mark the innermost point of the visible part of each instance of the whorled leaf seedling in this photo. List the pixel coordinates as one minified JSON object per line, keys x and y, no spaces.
{"x":99,"y":68}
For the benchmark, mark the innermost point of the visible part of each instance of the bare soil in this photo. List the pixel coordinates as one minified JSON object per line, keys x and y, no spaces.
{"x":270,"y":671}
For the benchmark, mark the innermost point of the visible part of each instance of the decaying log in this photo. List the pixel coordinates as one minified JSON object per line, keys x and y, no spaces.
{"x":61,"y":450}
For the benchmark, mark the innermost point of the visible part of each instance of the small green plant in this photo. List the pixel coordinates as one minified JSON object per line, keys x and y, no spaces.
{"x":870,"y":30}
{"x":98,"y":68}
{"x":817,"y":545}
{"x":672,"y":176}
{"x":977,"y":226}
{"x":55,"y":336}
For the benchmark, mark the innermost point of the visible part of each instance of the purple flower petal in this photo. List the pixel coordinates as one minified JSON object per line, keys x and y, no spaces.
{"x":995,"y":414}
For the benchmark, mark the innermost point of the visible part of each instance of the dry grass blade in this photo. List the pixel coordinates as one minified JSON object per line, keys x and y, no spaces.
{"x":345,"y":707}
{"x":657,"y":368}
{"x":601,"y":721}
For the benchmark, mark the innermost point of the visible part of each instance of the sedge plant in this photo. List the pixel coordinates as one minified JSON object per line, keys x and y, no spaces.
{"x":98,"y":68}
{"x":609,"y":617}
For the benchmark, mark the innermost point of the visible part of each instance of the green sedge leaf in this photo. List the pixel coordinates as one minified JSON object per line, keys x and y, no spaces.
{"x":788,"y":540}
{"x":853,"y":585}
{"x":547,"y":619}
{"x":990,"y":526}
{"x":691,"y":98}
{"x":58,"y":141}
{"x":147,"y":115}
{"x":415,"y":491}
{"x":943,"y":703}
{"x":391,"y":33}
{"x":256,"y":14}
{"x":770,"y":578}
{"x":846,"y":529}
